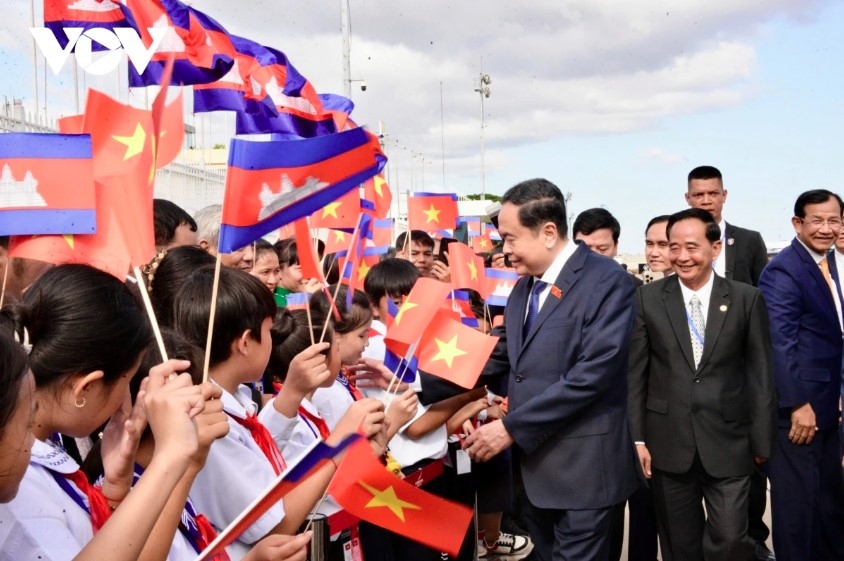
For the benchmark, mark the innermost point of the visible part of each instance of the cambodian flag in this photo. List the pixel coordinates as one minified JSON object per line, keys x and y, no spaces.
{"x":499,"y":285}
{"x":273,"y":183}
{"x":82,"y":14}
{"x":46,"y":184}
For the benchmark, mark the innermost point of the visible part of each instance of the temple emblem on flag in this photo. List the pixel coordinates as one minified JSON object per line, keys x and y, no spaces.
{"x":388,"y":498}
{"x":171,"y":43}
{"x":276,"y":93}
{"x":94,"y":5}
{"x":23,"y":193}
{"x":289,"y":193}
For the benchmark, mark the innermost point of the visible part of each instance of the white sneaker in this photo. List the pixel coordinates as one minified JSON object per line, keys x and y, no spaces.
{"x":507,"y":545}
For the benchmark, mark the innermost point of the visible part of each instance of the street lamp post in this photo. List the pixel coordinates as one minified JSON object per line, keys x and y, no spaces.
{"x":483,"y":89}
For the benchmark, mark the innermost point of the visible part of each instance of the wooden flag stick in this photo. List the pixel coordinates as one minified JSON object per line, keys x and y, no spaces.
{"x":142,"y":287}
{"x":214,"y":289}
{"x":355,"y":235}
{"x":316,"y":508}
{"x":310,"y":322}
{"x":5,"y":278}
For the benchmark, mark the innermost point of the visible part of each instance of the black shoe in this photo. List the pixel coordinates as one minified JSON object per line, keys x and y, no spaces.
{"x":762,"y":553}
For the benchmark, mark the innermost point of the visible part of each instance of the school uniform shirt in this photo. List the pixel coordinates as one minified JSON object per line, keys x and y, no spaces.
{"x":377,"y":350}
{"x":408,"y":451}
{"x":237,"y":471}
{"x":332,"y":403}
{"x":43,"y":522}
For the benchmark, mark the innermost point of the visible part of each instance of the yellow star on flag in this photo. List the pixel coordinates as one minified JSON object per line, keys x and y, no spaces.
{"x":339,"y":236}
{"x":389,"y":499}
{"x":331,"y":209}
{"x":377,"y":183}
{"x":407,"y":305}
{"x":134,"y":144}
{"x":68,"y":238}
{"x":448,"y":351}
{"x":483,"y":244}
{"x":433,"y":214}
{"x":363,"y":270}
{"x":473,"y":269}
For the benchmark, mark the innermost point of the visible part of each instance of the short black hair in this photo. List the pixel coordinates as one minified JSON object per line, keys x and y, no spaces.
{"x":596,"y":219}
{"x":706,"y":172}
{"x":287,"y":253}
{"x":167,"y":216}
{"x":293,"y":332}
{"x":177,"y":265}
{"x":243,"y":302}
{"x":713,"y":231}
{"x":392,"y":278}
{"x":418,"y":237}
{"x":814,"y":197}
{"x":657,"y":220}
{"x":351,"y":317}
{"x":539,"y":201}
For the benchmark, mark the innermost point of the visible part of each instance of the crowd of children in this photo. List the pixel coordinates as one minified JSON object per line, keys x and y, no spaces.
{"x":174,"y":459}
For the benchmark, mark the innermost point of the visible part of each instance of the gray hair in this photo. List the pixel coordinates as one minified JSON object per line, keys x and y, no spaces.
{"x":208,"y":222}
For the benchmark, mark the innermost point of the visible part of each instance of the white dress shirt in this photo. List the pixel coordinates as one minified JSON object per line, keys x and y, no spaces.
{"x":553,"y":271}
{"x":704,"y":294}
{"x":720,"y":264}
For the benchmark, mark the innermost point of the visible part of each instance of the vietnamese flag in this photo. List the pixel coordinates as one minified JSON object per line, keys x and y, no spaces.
{"x":482,"y":243}
{"x":305,"y":251}
{"x":365,"y":489}
{"x":171,"y":132}
{"x":46,"y":184}
{"x":337,"y":240}
{"x":432,"y":211}
{"x":341,"y":213}
{"x":378,"y":192}
{"x":71,"y":125}
{"x":415,"y":313}
{"x":467,"y":269}
{"x":453,"y":351}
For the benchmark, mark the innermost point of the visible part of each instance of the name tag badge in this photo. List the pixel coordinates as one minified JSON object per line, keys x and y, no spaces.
{"x":464,"y":463}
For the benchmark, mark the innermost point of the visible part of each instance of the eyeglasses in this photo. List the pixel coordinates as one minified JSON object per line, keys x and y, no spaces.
{"x":818,"y":223}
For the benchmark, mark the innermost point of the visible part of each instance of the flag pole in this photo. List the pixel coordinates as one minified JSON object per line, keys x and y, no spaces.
{"x":355,"y":235}
{"x":5,"y":278}
{"x":214,"y":290}
{"x":150,"y":312}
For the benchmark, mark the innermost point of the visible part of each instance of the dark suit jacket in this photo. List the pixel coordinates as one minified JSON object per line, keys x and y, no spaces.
{"x":746,"y":256}
{"x":567,"y":391}
{"x":805,"y":335}
{"x":724,"y":409}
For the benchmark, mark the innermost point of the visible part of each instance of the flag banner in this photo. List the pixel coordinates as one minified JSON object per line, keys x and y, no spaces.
{"x":315,"y":457}
{"x":342,"y":213}
{"x":201,"y":47}
{"x":432,"y":211}
{"x":382,"y":231}
{"x":467,"y":269}
{"x":415,"y":313}
{"x":461,"y":303}
{"x":377,"y":191}
{"x":305,"y":250}
{"x":270,"y":184}
{"x":298,"y":301}
{"x":499,"y":284}
{"x":364,"y":488}
{"x":482,"y":243}
{"x":453,"y":351}
{"x":71,"y":125}
{"x":46,"y":184}
{"x":340,"y":108}
{"x":81,"y":15}
{"x":473,"y":225}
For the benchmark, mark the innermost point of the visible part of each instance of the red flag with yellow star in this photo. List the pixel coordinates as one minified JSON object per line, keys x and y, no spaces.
{"x":337,"y":240}
{"x":305,"y":250}
{"x":71,"y":125}
{"x":364,"y":488}
{"x":415,"y":313}
{"x":432,"y":211}
{"x":376,"y":190}
{"x":453,"y":351}
{"x":467,"y":269}
{"x":340,"y":213}
{"x":482,"y":243}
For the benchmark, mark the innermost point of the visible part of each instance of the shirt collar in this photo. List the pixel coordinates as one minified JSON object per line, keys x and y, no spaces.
{"x":815,"y":255}
{"x":702,"y":293}
{"x":553,"y":272}
{"x":240,"y":403}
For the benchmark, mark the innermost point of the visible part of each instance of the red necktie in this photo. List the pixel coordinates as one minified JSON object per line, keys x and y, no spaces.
{"x":356,"y":395}
{"x":318,"y":422}
{"x":97,"y":503}
{"x":264,"y":440}
{"x":207,"y":534}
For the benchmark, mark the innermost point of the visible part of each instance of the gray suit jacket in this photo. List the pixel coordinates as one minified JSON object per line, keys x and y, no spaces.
{"x":724,"y":410}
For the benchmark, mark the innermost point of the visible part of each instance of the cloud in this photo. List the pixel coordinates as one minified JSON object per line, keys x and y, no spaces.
{"x":657,"y":153}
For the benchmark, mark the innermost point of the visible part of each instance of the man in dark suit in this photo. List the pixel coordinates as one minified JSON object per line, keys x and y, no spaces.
{"x":701,"y":395}
{"x":743,"y":256}
{"x":564,"y":344}
{"x":807,"y":494}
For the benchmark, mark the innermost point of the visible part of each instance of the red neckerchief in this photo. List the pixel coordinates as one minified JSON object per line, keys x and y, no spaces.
{"x":317,"y":421}
{"x":263,"y":439}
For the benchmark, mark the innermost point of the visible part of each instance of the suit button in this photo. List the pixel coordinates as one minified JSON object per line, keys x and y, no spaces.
{"x":519,"y":378}
{"x":696,"y":380}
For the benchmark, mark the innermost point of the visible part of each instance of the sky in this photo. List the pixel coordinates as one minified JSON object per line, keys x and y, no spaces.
{"x":613,"y":101}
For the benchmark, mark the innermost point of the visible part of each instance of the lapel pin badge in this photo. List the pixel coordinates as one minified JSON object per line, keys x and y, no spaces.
{"x":723,"y":308}
{"x":555,"y":290}
{"x":731,"y":241}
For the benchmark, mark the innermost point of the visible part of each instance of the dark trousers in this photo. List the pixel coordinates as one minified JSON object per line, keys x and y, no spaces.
{"x":569,"y":535}
{"x":807,"y":498}
{"x":642,"y":535}
{"x":687,"y":533}
{"x":756,"y":528}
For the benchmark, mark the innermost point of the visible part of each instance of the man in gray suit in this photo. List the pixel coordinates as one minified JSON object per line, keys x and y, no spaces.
{"x":564,"y":345}
{"x":701,"y":395}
